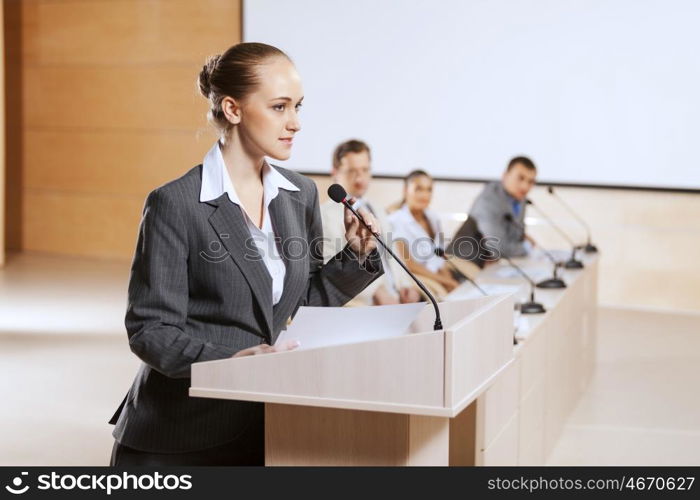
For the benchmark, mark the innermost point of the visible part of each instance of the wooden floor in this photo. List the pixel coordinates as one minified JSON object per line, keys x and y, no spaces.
{"x":65,"y":366}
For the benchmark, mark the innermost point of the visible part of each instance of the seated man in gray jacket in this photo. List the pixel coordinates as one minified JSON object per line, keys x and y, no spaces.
{"x":507,"y":196}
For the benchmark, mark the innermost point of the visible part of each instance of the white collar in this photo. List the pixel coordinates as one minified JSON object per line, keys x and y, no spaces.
{"x":405,"y":215}
{"x":216,"y":181}
{"x":359,"y":203}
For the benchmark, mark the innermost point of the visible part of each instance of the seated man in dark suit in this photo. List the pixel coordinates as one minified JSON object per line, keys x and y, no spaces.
{"x":507,"y":196}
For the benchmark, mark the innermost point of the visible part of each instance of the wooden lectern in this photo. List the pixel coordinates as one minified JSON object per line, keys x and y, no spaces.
{"x":401,"y":400}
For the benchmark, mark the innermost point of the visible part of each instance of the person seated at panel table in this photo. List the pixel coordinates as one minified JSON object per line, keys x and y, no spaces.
{"x":417,"y":232}
{"x":352,"y":169}
{"x":507,"y":196}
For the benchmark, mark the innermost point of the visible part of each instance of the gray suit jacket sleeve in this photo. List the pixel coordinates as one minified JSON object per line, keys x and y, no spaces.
{"x":489,"y":214}
{"x":343,"y":276}
{"x":158,"y":294}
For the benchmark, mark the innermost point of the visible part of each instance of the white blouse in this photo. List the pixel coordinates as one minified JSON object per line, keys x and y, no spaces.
{"x":421,"y":246}
{"x":216,"y":181}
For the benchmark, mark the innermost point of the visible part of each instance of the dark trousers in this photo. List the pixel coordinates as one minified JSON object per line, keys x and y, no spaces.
{"x":248,"y":449}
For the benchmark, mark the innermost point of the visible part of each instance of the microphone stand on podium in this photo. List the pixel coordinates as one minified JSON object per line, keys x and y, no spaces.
{"x":589,"y":246}
{"x":530,"y":306}
{"x":553,"y":282}
{"x":573,"y":262}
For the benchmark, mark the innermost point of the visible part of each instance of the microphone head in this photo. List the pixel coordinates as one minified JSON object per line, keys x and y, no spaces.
{"x":550,"y":189}
{"x":528,"y":201}
{"x":337,"y":193}
{"x":439,"y":252}
{"x":508,"y":217}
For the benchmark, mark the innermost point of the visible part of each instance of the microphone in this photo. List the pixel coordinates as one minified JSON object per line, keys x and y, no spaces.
{"x":553,"y":282}
{"x":590,"y":247}
{"x":573,"y":262}
{"x":529,"y":307}
{"x":441,"y":253}
{"x":337,"y":193}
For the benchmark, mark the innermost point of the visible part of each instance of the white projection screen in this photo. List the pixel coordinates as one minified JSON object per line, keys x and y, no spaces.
{"x":597,"y":92}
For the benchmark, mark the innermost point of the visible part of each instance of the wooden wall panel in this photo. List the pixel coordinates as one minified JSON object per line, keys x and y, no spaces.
{"x":12,"y":22}
{"x":82,"y":225}
{"x":127,"y":32}
{"x":140,"y":98}
{"x":108,"y":110}
{"x":2,"y":144}
{"x":127,"y":163}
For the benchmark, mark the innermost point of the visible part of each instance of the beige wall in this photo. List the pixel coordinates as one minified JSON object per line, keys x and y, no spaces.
{"x":649,"y":241}
{"x":108,"y":110}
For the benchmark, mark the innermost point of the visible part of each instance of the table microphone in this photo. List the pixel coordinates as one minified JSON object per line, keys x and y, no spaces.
{"x":573,"y":262}
{"x":529,"y":307}
{"x":553,"y":282}
{"x":441,"y":253}
{"x":337,"y":193}
{"x":590,"y":247}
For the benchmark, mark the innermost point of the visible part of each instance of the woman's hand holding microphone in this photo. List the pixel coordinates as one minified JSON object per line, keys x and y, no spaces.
{"x":360,"y":239}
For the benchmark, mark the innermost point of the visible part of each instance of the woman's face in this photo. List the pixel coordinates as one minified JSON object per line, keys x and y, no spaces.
{"x":419,"y":191}
{"x":269,"y":116}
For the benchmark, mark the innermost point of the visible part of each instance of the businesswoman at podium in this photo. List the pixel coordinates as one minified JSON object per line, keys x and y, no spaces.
{"x":225,"y":255}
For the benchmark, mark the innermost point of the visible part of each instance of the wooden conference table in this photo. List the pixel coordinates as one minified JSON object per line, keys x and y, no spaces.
{"x":463,"y":395}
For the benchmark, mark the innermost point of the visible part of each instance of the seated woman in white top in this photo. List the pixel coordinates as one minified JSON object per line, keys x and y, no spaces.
{"x":416,"y":231}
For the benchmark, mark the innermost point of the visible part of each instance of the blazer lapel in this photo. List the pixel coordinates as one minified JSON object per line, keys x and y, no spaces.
{"x":229,"y":223}
{"x":285,"y":214}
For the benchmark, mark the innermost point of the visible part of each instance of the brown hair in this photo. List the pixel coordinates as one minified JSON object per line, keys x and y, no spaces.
{"x":521,"y":160}
{"x":411,"y":175}
{"x":351,"y":146}
{"x":233,"y":74}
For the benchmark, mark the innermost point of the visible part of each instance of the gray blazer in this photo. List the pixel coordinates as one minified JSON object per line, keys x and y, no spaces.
{"x":489,"y":210}
{"x":197,"y":292}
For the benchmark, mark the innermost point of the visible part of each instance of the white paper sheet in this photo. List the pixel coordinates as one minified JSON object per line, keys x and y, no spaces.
{"x":324,"y":326}
{"x":468,"y":291}
{"x":535,"y":273}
